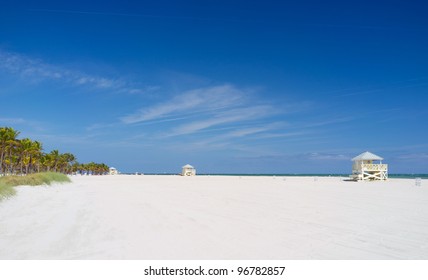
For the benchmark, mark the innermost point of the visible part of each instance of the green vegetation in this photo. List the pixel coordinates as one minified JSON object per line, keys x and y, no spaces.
{"x":23,"y":162}
{"x":46,"y":178}
{"x":6,"y":191}
{"x":25,"y":156}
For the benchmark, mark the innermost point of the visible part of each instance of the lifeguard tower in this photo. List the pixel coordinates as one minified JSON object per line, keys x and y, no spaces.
{"x":188,"y":170}
{"x":368,"y":166}
{"x":112,"y":171}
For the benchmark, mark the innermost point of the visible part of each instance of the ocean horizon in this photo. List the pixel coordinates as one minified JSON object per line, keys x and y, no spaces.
{"x":392,"y":176}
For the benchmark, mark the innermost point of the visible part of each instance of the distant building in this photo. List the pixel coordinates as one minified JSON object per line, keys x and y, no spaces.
{"x":113,"y":171}
{"x":188,"y":170}
{"x":368,"y":166}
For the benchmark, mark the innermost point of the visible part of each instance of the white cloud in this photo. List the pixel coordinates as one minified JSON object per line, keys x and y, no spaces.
{"x":249,"y":131}
{"x":207,"y":109}
{"x":11,"y":121}
{"x":193,"y":101}
{"x":225,"y":117}
{"x":326,"y":156}
{"x":329,"y":122}
{"x":413,"y":156}
{"x":36,"y":70}
{"x":36,"y":125}
{"x":281,"y":134}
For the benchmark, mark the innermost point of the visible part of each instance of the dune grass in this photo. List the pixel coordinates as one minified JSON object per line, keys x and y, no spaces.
{"x":46,"y":178}
{"x":6,"y":191}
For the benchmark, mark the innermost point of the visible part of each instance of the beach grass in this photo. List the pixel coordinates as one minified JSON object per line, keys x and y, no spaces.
{"x":38,"y":179}
{"x":6,"y":191}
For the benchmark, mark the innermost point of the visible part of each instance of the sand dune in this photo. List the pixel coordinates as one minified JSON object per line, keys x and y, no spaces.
{"x":216,"y":217}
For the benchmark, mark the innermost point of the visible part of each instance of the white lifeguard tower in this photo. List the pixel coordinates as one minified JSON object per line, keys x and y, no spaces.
{"x":112,"y":171}
{"x":188,"y":170}
{"x":368,"y":166}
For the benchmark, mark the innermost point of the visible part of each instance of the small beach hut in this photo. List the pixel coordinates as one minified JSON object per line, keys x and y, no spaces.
{"x":368,"y":166}
{"x":112,"y":171}
{"x":188,"y":170}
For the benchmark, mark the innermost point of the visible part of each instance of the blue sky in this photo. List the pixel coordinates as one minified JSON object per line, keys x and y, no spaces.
{"x":227,"y":86}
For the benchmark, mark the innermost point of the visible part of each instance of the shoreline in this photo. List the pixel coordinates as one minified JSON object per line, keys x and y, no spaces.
{"x":390,"y":176}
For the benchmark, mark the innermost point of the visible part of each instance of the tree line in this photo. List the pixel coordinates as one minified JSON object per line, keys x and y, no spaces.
{"x":25,"y":156}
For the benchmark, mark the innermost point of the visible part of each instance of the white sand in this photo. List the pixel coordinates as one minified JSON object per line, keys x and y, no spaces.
{"x":172,"y":217}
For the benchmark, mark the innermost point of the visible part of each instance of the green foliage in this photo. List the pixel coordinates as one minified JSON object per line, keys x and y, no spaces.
{"x":37,"y":179}
{"x":25,"y":156}
{"x":6,"y":191}
{"x":8,"y":182}
{"x":54,"y":177}
{"x":22,"y":160}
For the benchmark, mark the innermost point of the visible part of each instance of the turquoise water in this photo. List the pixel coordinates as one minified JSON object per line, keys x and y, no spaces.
{"x":402,"y":176}
{"x":409,"y":176}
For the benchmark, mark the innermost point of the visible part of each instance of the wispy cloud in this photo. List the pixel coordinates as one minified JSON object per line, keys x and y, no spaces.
{"x":240,"y":112}
{"x":326,"y":156}
{"x":413,"y":156}
{"x":314,"y":156}
{"x":7,"y":121}
{"x":230,"y":116}
{"x":246,"y":132}
{"x":193,"y":101}
{"x":329,"y":122}
{"x":99,"y":126}
{"x":11,"y":121}
{"x":282,"y":134}
{"x":36,"y":71}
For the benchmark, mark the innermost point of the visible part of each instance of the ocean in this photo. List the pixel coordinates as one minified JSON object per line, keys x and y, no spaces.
{"x":399,"y":176}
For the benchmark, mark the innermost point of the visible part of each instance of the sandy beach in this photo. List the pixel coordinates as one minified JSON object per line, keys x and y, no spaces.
{"x":216,"y":217}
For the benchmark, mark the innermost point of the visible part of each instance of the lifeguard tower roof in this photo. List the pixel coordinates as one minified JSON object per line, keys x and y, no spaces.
{"x":367,"y":156}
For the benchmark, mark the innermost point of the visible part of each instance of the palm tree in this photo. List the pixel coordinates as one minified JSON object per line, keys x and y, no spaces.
{"x":54,"y":158}
{"x":26,"y":156}
{"x":3,"y":139}
{"x":75,"y":167}
{"x":24,"y":152}
{"x":45,"y":162}
{"x":36,"y":156}
{"x":29,"y":154}
{"x":66,"y":161}
{"x":8,"y":144}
